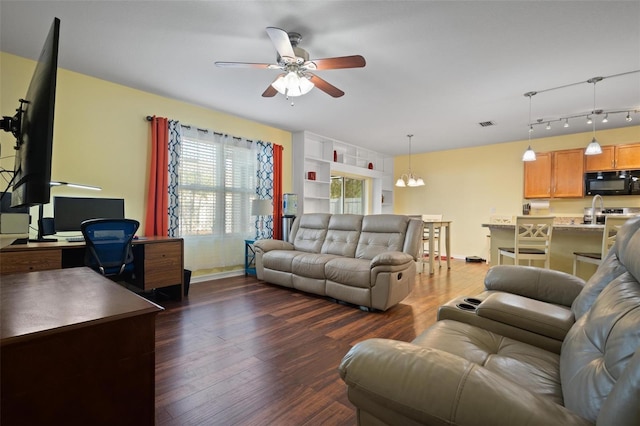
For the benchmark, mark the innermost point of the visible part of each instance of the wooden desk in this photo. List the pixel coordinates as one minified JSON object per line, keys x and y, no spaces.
{"x":159,"y":261}
{"x":444,"y":225}
{"x":77,"y":349}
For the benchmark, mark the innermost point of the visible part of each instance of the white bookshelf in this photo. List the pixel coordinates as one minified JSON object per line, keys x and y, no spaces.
{"x":316,"y":153}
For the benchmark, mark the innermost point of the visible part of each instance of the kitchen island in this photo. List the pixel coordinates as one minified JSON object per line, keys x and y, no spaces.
{"x":567,"y":238}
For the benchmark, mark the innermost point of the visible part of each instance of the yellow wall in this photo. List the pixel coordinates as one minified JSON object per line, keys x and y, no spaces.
{"x":468,"y":185}
{"x":101,"y":136}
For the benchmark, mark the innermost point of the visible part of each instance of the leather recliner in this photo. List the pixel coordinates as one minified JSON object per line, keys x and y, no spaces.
{"x":456,"y":373}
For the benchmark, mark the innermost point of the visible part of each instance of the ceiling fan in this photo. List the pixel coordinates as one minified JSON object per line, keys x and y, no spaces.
{"x":298,"y":78}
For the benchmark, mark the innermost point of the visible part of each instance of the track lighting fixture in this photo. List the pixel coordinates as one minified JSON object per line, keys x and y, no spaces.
{"x":409,"y":179}
{"x":594,"y":147}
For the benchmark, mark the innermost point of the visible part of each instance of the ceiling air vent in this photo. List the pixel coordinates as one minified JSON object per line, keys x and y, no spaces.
{"x":486,"y":123}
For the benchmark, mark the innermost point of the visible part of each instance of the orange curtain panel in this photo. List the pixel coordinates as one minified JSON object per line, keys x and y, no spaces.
{"x":157,"y":218}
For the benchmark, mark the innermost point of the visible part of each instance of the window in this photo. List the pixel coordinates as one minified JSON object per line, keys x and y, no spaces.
{"x":347,"y":195}
{"x":217,"y":180}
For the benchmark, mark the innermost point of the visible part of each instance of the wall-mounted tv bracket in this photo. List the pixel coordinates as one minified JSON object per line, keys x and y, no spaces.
{"x":14,"y":124}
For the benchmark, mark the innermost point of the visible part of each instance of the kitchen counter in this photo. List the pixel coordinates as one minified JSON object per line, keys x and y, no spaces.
{"x":566,"y":239}
{"x":576,"y":227}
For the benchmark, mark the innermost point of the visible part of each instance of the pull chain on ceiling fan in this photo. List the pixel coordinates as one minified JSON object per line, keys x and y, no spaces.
{"x":297,"y":78}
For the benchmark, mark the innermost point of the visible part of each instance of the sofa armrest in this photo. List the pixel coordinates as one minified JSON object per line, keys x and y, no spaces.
{"x":541,"y":284}
{"x":393,"y":258}
{"x":268,"y":245}
{"x":395,"y":380}
{"x":546,"y":319}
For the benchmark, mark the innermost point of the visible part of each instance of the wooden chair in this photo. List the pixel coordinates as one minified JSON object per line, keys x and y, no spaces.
{"x":611,"y":226}
{"x":436,"y":237}
{"x":532,"y":240}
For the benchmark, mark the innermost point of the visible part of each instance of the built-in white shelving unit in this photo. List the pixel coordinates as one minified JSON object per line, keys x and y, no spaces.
{"x":316,"y":157}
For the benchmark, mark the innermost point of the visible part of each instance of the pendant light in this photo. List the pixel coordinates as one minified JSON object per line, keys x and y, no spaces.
{"x":594,"y":147}
{"x":409,"y":179}
{"x":529,"y":154}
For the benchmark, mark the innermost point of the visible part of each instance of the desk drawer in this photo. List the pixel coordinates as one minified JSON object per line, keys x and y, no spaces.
{"x":162,"y":264}
{"x":29,"y":261}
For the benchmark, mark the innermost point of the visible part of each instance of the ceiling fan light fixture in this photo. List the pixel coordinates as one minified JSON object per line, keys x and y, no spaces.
{"x":292,"y":84}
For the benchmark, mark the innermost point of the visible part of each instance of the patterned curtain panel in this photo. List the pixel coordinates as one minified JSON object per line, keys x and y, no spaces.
{"x":264,"y":189}
{"x":175,"y":140}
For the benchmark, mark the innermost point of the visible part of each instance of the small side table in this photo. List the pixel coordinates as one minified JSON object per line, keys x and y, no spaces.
{"x":249,"y":258}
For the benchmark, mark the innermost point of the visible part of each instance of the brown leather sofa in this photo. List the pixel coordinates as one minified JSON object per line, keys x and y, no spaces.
{"x":365,"y":260}
{"x":456,"y":373}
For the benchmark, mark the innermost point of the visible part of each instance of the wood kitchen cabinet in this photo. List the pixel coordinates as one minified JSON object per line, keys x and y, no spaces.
{"x":557,"y":174}
{"x":614,"y":157}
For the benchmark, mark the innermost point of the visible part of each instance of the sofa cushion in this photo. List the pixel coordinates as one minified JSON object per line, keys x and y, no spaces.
{"x":602,"y":342}
{"x":280,"y":260}
{"x":311,"y":265}
{"x":599,"y":346}
{"x":343,"y":234}
{"x":310,"y":231}
{"x":381,"y":233}
{"x":354,"y":272}
{"x":533,"y":368}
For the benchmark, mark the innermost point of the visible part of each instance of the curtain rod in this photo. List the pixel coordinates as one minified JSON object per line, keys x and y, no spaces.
{"x":186,"y":126}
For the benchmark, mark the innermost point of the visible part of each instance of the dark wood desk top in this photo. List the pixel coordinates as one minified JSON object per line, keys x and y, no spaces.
{"x":48,"y":302}
{"x":62,"y":244}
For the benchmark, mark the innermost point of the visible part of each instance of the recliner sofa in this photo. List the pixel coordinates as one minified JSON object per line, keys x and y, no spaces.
{"x":364,"y":260}
{"x":456,"y":373}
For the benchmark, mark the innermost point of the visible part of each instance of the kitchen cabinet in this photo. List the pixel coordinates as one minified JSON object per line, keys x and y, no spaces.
{"x":557,"y":174}
{"x":316,"y":158}
{"x":614,"y":157}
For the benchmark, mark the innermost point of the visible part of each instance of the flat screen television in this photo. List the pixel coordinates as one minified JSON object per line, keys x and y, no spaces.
{"x":32,"y":127}
{"x":70,"y":212}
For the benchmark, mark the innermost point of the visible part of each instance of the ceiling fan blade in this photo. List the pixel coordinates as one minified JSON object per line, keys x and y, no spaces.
{"x":326,"y":87}
{"x":245,"y":65}
{"x":269,"y":92}
{"x":354,"y":61}
{"x":280,"y":40}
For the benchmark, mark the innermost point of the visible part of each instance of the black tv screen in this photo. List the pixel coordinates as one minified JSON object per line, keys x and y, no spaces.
{"x":34,"y":138}
{"x":70,"y":212}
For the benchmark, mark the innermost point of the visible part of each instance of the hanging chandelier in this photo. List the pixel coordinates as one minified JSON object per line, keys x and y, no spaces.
{"x":409,"y":179}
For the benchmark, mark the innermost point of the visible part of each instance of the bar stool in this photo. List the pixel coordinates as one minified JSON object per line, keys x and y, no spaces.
{"x":611,"y":226}
{"x":532,"y":240}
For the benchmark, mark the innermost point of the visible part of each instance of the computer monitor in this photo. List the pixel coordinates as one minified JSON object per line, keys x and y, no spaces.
{"x":70,"y":212}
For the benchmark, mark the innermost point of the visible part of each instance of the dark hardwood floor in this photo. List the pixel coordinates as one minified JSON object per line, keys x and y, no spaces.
{"x":239,"y":351}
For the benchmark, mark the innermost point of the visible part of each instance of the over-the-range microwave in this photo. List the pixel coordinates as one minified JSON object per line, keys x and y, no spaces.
{"x":612,"y":183}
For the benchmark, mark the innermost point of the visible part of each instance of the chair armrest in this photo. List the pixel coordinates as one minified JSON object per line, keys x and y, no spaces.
{"x":430,"y":386}
{"x":541,"y":284}
{"x":269,"y":244}
{"x":392,"y":258}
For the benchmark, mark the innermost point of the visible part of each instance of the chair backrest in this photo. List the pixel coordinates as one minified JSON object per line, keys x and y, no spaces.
{"x":497,"y":218}
{"x":109,"y":244}
{"x":436,"y":229}
{"x":612,"y":225}
{"x":533,"y":232}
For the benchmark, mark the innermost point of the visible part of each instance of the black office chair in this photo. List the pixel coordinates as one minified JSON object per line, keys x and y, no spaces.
{"x":109,"y":245}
